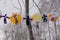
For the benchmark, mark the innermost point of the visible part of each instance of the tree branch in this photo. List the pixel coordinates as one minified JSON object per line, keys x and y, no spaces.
{"x":14,"y":5}
{"x":31,"y":6}
{"x":20,"y":6}
{"x":23,"y":2}
{"x":39,"y":2}
{"x":51,"y":5}
{"x":37,"y":7}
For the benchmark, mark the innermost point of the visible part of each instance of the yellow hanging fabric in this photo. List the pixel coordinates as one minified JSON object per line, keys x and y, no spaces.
{"x":19,"y":18}
{"x":37,"y":17}
{"x":13,"y":19}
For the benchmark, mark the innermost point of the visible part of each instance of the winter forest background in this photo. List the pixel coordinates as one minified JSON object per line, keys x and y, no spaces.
{"x":46,"y":31}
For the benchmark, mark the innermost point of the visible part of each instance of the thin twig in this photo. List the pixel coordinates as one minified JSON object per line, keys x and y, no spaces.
{"x":39,"y":2}
{"x":23,"y":2}
{"x":20,"y":6}
{"x":14,"y":5}
{"x":51,"y":5}
{"x":31,"y":6}
{"x":37,"y":7}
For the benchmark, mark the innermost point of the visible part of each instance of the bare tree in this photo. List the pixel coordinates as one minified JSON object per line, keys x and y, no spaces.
{"x":20,"y":5}
{"x":48,"y":6}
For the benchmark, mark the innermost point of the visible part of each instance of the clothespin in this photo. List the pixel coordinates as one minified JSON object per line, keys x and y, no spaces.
{"x":27,"y":20}
{"x":5,"y":16}
{"x":44,"y":17}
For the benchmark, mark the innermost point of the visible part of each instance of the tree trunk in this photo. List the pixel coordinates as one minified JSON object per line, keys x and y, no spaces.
{"x":27,"y":15}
